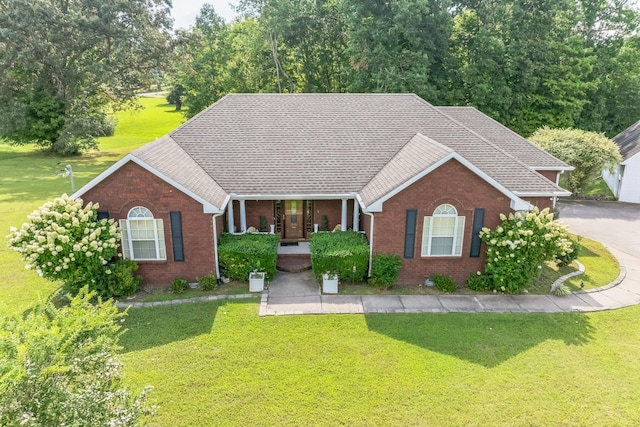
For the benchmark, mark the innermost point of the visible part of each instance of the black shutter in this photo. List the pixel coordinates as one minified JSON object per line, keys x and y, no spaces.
{"x":176,"y":236}
{"x":478,"y":223}
{"x":103,"y":215}
{"x":410,"y":233}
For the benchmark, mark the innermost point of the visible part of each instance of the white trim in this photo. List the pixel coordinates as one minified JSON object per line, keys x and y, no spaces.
{"x":534,"y":194}
{"x":291,"y":196}
{"x":555,"y":169}
{"x":215,"y":245}
{"x":206,"y":206}
{"x":370,"y":241}
{"x":515,"y":200}
{"x":456,"y":237}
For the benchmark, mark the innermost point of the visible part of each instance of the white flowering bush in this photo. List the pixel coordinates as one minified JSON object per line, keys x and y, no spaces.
{"x":64,"y":240}
{"x":59,"y":367}
{"x":519,"y":246}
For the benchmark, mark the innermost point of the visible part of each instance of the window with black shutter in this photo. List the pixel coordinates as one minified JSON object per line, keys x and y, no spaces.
{"x":410,"y":233}
{"x":478,"y":223}
{"x":176,"y":235}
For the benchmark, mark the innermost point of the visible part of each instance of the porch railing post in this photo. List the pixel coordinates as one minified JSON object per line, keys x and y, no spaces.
{"x":356,"y":215}
{"x":230,"y":223}
{"x":343,"y":220}
{"x":243,"y":216}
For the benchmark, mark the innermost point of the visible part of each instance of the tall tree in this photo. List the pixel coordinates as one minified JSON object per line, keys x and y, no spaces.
{"x":64,"y":63}
{"x":399,"y":46}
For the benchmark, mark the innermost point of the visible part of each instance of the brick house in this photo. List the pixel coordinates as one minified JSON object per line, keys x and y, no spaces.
{"x":418,"y":180}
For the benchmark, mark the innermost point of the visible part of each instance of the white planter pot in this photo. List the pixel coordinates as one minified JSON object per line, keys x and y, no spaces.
{"x":256,"y":281}
{"x":330,"y":283}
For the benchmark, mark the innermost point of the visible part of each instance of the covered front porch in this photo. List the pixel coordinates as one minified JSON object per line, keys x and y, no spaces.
{"x":293,"y":218}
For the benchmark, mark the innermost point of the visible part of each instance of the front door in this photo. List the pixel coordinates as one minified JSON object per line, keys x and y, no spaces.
{"x":293,"y":219}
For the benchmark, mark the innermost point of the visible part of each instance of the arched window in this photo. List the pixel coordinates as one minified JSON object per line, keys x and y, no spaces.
{"x":443,"y":232}
{"x":142,"y":236}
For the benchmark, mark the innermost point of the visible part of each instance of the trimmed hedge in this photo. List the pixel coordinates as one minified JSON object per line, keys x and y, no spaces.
{"x":345,"y":253}
{"x":240,"y":254}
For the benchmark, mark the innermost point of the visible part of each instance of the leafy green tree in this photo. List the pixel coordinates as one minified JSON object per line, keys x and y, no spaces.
{"x":587,"y":152}
{"x":58,"y":366}
{"x":399,"y":46}
{"x":65,"y":64}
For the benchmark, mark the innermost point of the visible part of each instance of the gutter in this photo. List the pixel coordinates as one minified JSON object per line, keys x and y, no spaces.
{"x":364,"y":211}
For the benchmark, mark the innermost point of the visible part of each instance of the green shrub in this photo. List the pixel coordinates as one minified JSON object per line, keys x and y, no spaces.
{"x":569,"y":256}
{"x":59,"y":367}
{"x":64,"y":240}
{"x":345,"y":253}
{"x":384,"y":270}
{"x":444,"y":283}
{"x":518,"y":247}
{"x":120,"y":282}
{"x":207,"y":282}
{"x":179,"y":285}
{"x":479,"y":282}
{"x":324,"y":223}
{"x":241,"y":254}
{"x":561,"y":290}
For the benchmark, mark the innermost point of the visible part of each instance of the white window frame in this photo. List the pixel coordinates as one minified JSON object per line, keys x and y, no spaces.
{"x":443,"y":211}
{"x":139,"y":214}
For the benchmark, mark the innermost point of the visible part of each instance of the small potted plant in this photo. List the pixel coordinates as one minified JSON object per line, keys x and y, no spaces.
{"x":256,"y":281}
{"x":330,"y":283}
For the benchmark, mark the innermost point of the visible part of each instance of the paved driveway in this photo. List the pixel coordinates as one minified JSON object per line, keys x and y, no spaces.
{"x":615,"y":224}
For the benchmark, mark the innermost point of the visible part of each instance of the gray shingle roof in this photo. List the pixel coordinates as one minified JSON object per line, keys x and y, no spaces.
{"x":304,"y":144}
{"x":504,"y":138}
{"x":416,"y":156}
{"x":629,"y":141}
{"x":167,"y":157}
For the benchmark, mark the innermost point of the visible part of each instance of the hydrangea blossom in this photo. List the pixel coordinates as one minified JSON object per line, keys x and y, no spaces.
{"x":64,"y":240}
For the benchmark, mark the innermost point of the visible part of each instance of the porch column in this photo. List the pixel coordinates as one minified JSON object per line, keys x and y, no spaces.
{"x":343,"y":220}
{"x":243,"y":216}
{"x":356,"y":215}
{"x":231,"y":225}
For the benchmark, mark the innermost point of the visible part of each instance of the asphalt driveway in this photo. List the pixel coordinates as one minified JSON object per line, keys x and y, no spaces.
{"x":615,"y":224}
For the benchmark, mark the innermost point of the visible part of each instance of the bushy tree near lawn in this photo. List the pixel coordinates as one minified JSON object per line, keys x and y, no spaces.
{"x":518,"y":247}
{"x":58,"y":367}
{"x":587,"y":152}
{"x":64,"y":240}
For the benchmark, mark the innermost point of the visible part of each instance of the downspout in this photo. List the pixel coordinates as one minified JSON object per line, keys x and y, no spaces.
{"x":370,"y":241}
{"x":215,"y":244}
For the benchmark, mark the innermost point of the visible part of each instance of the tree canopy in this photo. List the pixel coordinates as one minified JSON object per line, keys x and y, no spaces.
{"x":588,"y":152}
{"x":64,"y":64}
{"x":527,"y":63}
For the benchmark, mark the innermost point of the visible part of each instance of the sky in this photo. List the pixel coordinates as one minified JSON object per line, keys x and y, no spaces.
{"x":184,"y":12}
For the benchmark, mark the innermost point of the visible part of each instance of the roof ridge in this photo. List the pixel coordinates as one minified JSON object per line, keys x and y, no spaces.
{"x":506,"y":127}
{"x":491,"y":144}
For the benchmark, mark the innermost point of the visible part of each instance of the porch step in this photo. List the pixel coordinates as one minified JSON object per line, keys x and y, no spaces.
{"x":294,"y":263}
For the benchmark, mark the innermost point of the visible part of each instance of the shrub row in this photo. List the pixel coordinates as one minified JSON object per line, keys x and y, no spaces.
{"x":239,"y":255}
{"x":345,"y":253}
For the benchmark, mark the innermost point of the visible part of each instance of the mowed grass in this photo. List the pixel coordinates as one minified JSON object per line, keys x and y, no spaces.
{"x":29,"y":178}
{"x":220,"y":364}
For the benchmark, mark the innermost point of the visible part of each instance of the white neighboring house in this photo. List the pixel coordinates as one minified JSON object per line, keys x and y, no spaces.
{"x":624,"y":182}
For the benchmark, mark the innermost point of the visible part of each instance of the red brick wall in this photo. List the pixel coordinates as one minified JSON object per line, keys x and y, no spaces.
{"x":451,"y":183}
{"x":255,"y":209}
{"x":333,"y":210}
{"x":550,"y":175}
{"x":132,"y":186}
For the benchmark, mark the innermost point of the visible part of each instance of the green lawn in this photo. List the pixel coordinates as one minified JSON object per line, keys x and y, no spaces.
{"x":28,"y":179}
{"x":218,"y":363}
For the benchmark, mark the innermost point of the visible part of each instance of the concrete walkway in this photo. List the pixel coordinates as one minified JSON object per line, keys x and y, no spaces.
{"x":297,"y":293}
